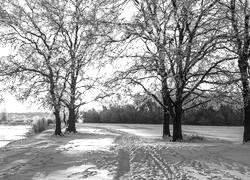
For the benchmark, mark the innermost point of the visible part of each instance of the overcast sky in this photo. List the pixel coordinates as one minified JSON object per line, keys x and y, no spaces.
{"x":10,"y":104}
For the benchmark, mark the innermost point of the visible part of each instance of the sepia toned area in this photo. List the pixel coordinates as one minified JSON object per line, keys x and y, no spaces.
{"x":124,"y":89}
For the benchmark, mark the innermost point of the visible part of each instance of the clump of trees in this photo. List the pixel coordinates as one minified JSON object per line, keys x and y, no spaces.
{"x":54,"y":44}
{"x":223,"y":116}
{"x":147,"y":113}
{"x":177,"y":54}
{"x":181,"y":53}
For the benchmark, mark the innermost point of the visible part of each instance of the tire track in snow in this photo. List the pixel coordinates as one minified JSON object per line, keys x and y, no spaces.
{"x":179,"y":160}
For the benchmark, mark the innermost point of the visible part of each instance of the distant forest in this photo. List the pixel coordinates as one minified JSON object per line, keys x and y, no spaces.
{"x":152,"y":114}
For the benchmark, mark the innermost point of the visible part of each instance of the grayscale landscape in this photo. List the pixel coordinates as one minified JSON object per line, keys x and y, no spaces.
{"x":128,"y":151}
{"x":124,"y":89}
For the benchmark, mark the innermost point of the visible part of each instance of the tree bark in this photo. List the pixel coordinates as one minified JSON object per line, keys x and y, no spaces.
{"x":64,"y":118}
{"x":166,"y":106}
{"x":58,"y":130}
{"x":177,"y":130}
{"x":72,"y":113}
{"x":242,"y":43}
{"x":72,"y":121}
{"x":166,"y":121}
{"x":56,"y":106}
{"x":246,"y":122}
{"x":243,"y":66}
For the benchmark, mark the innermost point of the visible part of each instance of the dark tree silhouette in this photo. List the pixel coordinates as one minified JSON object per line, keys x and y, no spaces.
{"x":83,"y":35}
{"x":173,"y":45}
{"x":237,"y":16}
{"x":35,"y":65}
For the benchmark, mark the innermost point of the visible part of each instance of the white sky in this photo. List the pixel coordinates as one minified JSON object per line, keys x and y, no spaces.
{"x":10,"y":103}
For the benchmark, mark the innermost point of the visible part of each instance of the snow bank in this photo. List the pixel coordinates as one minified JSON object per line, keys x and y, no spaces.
{"x":87,"y":172}
{"x":12,"y":133}
{"x":83,"y":145}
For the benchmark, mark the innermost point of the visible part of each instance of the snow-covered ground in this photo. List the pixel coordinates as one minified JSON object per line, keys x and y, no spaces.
{"x":228,"y":133}
{"x":12,"y":133}
{"x":122,"y":151}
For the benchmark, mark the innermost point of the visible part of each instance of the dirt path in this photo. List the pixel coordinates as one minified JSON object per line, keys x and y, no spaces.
{"x":102,"y":153}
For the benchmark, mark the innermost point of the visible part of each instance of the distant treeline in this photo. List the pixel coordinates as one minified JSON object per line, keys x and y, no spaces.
{"x":124,"y":114}
{"x":225,"y":115}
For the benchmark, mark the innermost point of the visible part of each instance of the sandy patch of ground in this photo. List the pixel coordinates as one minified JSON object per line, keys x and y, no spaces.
{"x":101,"y":153}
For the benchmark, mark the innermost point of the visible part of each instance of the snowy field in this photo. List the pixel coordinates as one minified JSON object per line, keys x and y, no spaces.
{"x":127,"y":151}
{"x":228,"y":133}
{"x":12,"y":133}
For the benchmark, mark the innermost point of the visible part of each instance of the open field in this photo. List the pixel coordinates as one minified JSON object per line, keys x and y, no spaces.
{"x":12,"y":133}
{"x":127,"y":151}
{"x":228,"y":133}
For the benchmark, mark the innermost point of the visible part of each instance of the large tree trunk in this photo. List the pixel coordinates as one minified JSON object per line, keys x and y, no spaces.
{"x":177,"y":131}
{"x":246,"y":135}
{"x":58,"y":130}
{"x":166,"y":121}
{"x":241,"y":40}
{"x":166,"y":116}
{"x":243,"y":66}
{"x":72,"y":120}
{"x":72,"y":113}
{"x":64,"y":118}
{"x":56,"y":107}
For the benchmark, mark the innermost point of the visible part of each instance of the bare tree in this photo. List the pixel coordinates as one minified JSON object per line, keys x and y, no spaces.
{"x":35,"y":65}
{"x":175,"y":44}
{"x":237,"y":18}
{"x":83,"y":35}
